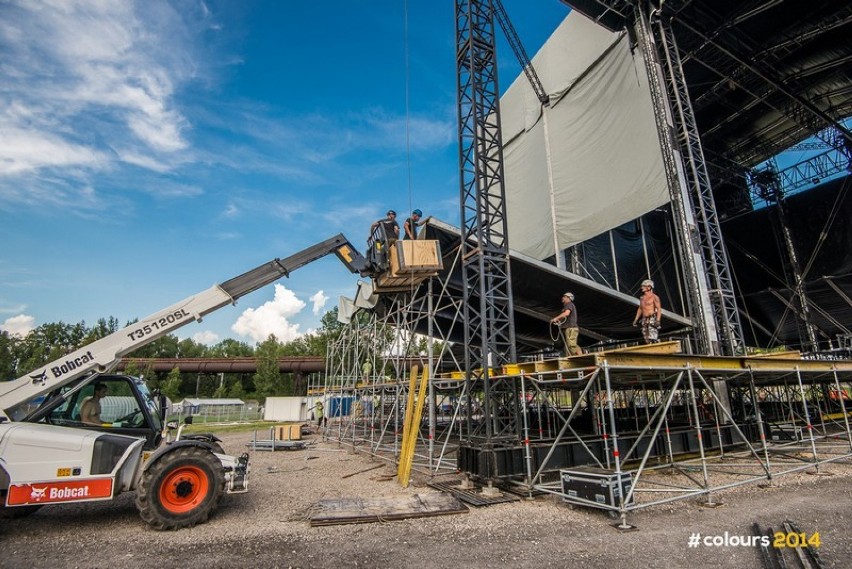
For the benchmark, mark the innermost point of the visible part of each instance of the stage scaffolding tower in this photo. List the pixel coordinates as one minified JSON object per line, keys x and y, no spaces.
{"x":369,"y":407}
{"x":702,"y":249}
{"x":488,"y":321}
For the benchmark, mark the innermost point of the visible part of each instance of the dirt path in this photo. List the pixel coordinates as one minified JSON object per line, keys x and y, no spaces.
{"x":268,"y":526}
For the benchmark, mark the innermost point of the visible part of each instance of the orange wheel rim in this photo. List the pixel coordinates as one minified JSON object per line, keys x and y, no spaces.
{"x":183,"y":489}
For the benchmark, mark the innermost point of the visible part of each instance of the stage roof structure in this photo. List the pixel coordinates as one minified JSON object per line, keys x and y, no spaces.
{"x":762,"y":76}
{"x":604,"y":314}
{"x":589,"y":160}
{"x":821,"y":234}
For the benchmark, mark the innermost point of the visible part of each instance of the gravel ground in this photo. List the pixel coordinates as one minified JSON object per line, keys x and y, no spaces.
{"x":268,"y":527}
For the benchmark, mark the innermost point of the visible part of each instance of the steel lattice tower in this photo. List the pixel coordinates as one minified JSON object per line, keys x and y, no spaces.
{"x":703,"y":255}
{"x":487,"y":307}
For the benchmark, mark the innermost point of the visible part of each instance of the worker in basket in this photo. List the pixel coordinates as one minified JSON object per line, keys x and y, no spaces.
{"x":383,"y":234}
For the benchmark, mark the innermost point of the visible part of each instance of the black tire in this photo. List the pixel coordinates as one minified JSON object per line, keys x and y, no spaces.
{"x":181,"y":489}
{"x":210,"y":440}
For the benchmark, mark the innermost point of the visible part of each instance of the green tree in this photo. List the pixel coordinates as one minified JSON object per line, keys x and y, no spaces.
{"x":143,"y":369}
{"x":49,"y":342}
{"x":330,"y":325}
{"x":189,"y":348}
{"x":8,"y":358}
{"x":230,"y":348}
{"x":297,"y":347}
{"x":102,"y":328}
{"x":316,"y":344}
{"x":236,"y":390}
{"x":164,"y":347}
{"x":267,"y":379}
{"x":133,"y":367}
{"x":171,"y":387}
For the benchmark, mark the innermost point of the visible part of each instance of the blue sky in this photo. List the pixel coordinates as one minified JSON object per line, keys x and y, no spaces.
{"x":151,"y":149}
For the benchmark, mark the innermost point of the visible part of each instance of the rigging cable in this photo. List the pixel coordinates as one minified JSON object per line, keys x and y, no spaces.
{"x":407,"y":58}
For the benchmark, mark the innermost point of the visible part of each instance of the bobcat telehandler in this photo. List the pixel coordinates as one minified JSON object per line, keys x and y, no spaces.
{"x":49,"y":456}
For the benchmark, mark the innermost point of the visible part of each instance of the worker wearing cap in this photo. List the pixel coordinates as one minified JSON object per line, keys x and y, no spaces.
{"x":649,"y":313}
{"x":567,"y":321}
{"x":390,"y":225}
{"x":411,"y":224}
{"x":383,"y":234}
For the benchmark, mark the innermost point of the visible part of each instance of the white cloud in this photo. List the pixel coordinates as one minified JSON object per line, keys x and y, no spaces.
{"x":161,"y":131}
{"x":19,"y":325}
{"x":12,"y":308}
{"x":143,"y":161}
{"x":291,"y":209}
{"x":319,"y":300}
{"x":23,"y":150}
{"x":177,"y":190}
{"x":206,"y":337}
{"x":271,"y":318}
{"x":81,"y":76}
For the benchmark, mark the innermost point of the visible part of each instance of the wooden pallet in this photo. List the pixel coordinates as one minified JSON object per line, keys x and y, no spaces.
{"x":368,"y":510}
{"x":473,"y":496}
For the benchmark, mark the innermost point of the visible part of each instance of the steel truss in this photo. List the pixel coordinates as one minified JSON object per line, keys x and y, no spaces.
{"x":719,"y":49}
{"x":793,"y":276}
{"x":489,"y":329}
{"x":377,"y":402}
{"x":702,"y":249}
{"x":523,"y":428}
{"x":816,"y":169}
{"x":667,"y":434}
{"x":456,"y":406}
{"x":656,"y":423}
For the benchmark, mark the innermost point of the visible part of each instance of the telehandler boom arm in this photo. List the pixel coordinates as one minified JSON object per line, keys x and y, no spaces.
{"x":102,"y":355}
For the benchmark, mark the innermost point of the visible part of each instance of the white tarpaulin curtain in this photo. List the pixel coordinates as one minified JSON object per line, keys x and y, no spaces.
{"x":589,"y":161}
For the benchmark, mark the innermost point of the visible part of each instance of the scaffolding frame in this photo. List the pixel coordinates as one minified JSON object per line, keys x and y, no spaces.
{"x":655,"y":420}
{"x":717,"y":448}
{"x":387,"y":342}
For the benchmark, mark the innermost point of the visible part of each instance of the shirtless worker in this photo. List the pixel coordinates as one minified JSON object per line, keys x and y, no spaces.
{"x":90,"y":411}
{"x":649,"y":313}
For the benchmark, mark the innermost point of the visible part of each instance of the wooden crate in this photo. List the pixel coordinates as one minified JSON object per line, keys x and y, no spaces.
{"x":388,"y":283}
{"x":415,"y":256}
{"x":288,"y":432}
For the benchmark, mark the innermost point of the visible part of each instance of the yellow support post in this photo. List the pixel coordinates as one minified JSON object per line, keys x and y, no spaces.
{"x":409,"y":412}
{"x":412,"y":427}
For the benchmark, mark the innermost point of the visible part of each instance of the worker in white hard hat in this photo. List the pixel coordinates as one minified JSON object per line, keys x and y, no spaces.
{"x":567,"y":321}
{"x":649,"y":314}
